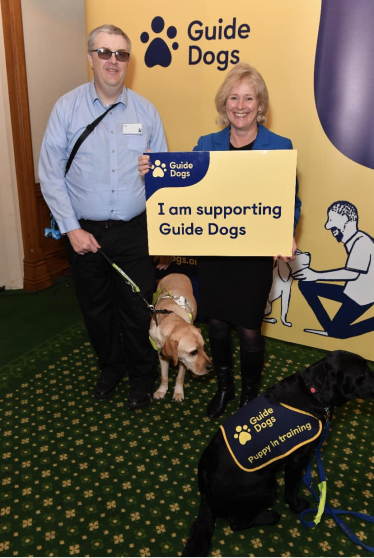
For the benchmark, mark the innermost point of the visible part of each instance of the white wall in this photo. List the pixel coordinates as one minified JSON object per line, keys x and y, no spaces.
{"x":11,"y":253}
{"x":55,"y":44}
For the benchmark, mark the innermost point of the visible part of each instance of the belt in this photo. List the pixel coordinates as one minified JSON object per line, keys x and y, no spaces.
{"x":107,"y":224}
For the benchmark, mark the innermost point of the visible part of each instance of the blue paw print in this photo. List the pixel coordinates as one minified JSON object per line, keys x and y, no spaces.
{"x":158,"y":52}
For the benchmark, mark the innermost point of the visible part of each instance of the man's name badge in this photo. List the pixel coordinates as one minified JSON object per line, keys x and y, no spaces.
{"x":131,"y":129}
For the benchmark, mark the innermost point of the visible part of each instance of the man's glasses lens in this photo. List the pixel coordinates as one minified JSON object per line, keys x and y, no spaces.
{"x":105,"y":54}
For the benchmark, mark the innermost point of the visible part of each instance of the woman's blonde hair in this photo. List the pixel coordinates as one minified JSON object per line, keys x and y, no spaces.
{"x":240,"y":72}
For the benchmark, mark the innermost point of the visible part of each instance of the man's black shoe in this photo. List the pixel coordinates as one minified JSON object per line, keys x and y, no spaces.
{"x":104,"y":389}
{"x":138,"y":399}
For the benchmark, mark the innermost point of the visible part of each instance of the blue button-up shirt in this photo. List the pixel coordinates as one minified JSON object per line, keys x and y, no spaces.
{"x":103,"y":181}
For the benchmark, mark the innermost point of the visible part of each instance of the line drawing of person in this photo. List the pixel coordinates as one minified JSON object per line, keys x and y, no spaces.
{"x":357,"y":294}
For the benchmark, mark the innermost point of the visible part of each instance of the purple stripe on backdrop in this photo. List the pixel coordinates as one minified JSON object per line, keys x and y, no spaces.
{"x":344,"y":77}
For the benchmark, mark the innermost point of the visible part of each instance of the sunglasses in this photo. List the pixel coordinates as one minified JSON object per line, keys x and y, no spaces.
{"x":106,"y":54}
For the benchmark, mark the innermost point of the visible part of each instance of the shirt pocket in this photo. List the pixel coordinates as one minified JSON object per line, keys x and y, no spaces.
{"x":138,"y":143}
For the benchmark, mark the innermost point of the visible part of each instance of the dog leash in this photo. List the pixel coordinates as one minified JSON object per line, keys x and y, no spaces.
{"x":134,"y":287}
{"x":322,"y":507}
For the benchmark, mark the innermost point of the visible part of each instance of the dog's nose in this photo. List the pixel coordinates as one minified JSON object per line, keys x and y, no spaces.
{"x":208,"y":367}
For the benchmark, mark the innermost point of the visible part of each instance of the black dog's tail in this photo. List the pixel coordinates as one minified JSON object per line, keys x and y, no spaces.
{"x":198,"y":543}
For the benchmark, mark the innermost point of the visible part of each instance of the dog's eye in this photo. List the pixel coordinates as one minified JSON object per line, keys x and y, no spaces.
{"x":194,"y":353}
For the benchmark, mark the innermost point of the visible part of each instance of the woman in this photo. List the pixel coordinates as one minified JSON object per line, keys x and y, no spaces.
{"x":233,"y":290}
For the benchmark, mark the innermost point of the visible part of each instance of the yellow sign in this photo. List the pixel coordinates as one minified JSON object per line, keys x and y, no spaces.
{"x":221,"y":203}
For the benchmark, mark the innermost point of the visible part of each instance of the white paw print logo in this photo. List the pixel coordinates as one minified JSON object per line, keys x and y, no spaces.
{"x":243,"y":434}
{"x":159,"y":169}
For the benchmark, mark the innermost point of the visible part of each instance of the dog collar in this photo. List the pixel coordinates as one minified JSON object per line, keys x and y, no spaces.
{"x":153,"y":343}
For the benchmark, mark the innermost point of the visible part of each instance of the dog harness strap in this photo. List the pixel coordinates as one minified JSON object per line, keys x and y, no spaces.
{"x":156,"y":295}
{"x":262,"y":432}
{"x":153,"y":343}
{"x":180,"y":300}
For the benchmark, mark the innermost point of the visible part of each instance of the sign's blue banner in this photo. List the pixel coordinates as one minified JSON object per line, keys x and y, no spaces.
{"x":175,"y":170}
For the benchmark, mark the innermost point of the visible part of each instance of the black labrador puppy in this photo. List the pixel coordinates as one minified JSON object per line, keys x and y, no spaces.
{"x":241,"y":493}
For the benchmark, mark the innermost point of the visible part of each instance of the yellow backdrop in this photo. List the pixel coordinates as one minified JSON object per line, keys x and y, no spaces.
{"x":279,"y":39}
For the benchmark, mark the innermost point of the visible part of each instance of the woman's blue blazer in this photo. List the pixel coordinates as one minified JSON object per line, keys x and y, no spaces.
{"x":220,"y":141}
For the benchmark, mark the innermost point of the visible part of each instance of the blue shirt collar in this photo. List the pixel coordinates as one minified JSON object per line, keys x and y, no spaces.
{"x":122,"y":98}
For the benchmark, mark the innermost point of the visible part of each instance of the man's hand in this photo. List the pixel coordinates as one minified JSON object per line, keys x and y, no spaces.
{"x":83,"y":241}
{"x":163,"y":262}
{"x":144,"y":164}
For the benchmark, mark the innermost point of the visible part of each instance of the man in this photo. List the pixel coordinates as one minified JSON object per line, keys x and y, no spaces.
{"x":357,"y":295}
{"x":100,"y":204}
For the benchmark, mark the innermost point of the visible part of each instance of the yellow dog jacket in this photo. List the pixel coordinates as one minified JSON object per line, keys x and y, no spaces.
{"x":262,"y":432}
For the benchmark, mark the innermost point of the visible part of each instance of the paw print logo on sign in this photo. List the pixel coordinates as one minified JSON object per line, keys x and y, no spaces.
{"x":158,"y":52}
{"x":243,"y":434}
{"x":158,"y":169}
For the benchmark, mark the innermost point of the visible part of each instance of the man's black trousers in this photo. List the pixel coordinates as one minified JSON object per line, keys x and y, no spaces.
{"x":117,"y":319}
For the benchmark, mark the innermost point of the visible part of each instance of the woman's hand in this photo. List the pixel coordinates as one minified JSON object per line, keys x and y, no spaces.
{"x":144,"y":164}
{"x":162,"y":262}
{"x":288,"y":258}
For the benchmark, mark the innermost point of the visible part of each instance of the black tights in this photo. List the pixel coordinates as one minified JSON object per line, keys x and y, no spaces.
{"x":250,"y":339}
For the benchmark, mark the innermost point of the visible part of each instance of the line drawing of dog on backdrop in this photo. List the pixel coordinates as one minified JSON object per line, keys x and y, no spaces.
{"x":175,"y":336}
{"x":282,"y":283}
{"x":243,"y":497}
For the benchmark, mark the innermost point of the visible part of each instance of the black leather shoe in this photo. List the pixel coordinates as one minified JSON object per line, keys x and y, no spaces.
{"x":138,"y":399}
{"x":225,"y":392}
{"x":217,"y":406}
{"x":248,"y":393}
{"x":104,"y":388}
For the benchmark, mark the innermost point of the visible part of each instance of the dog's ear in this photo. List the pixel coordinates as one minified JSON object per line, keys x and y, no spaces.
{"x":170,"y":350}
{"x":322,"y":378}
{"x":315,"y":374}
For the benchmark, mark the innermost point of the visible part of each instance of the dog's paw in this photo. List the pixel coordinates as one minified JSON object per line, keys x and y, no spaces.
{"x":159,"y":394}
{"x":178,"y":396}
{"x":298,"y":505}
{"x":266,"y":517}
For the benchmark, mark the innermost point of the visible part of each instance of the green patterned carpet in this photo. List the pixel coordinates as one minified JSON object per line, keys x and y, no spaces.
{"x":87,"y":478}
